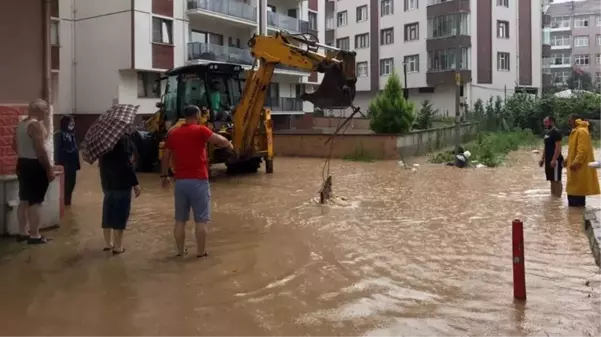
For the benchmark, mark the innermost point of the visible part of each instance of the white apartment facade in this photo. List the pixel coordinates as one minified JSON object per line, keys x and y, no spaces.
{"x":500,"y":41}
{"x":114,"y":51}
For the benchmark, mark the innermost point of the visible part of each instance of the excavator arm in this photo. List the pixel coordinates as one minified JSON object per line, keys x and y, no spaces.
{"x":336,"y":91}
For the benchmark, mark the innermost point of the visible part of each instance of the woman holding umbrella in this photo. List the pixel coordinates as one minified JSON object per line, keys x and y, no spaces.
{"x":108,"y":139}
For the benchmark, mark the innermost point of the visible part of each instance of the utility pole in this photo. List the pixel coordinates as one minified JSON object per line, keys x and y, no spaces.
{"x":457,"y":77}
{"x":405,"y":87}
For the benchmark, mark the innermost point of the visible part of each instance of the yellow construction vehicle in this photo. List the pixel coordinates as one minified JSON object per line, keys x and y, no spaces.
{"x":239,"y":114}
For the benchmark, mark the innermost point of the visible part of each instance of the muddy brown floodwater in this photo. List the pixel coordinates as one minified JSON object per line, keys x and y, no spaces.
{"x":424,"y":253}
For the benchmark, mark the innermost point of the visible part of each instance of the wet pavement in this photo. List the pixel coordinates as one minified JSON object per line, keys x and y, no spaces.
{"x":408,"y":253}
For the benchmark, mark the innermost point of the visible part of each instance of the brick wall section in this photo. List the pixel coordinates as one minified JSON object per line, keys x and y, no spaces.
{"x":9,"y":118}
{"x":162,"y":7}
{"x":162,"y":56}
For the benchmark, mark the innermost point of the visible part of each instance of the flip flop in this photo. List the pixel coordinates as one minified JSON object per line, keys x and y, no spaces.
{"x":117,"y":252}
{"x":106,"y":249}
{"x":185,"y":253}
{"x":205,"y":254}
{"x":37,"y":241}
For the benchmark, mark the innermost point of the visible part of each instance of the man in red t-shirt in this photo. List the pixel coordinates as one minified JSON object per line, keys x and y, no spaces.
{"x":186,"y":145}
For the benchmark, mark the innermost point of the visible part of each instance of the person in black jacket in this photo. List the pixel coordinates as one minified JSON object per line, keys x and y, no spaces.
{"x":118,"y":178}
{"x":66,"y":154}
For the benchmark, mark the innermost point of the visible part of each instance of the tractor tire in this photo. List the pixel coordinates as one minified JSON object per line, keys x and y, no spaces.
{"x":250,"y":166}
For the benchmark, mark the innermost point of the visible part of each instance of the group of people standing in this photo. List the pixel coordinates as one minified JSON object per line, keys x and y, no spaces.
{"x":582,"y":180}
{"x":185,"y":156}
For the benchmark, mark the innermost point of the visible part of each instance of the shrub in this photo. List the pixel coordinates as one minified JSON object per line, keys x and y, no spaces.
{"x":390,"y":112}
{"x":426,"y":115}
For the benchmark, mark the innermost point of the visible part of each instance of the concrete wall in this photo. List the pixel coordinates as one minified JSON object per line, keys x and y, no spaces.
{"x":376,"y":145}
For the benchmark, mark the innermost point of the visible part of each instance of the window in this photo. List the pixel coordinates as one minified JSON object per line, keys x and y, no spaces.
{"x":560,"y":41}
{"x":361,"y":40}
{"x":362,"y":13}
{"x":598,"y":39}
{"x":560,"y":59}
{"x":503,"y":3}
{"x":581,"y":41}
{"x":312,"y":20}
{"x":54,"y":32}
{"x":387,"y":36}
{"x":598,"y":17}
{"x":341,"y":18}
{"x":444,"y":60}
{"x":502,"y":61}
{"x":598,"y":58}
{"x":412,"y":63}
{"x":233,"y":42}
{"x":436,"y":2}
{"x":561,"y":77}
{"x":147,"y":84}
{"x":162,"y":30}
{"x":386,"y":66}
{"x":411,"y":5}
{"x":581,"y":60}
{"x":581,"y":22}
{"x":412,"y":31}
{"x":446,"y":25}
{"x":386,"y":8}
{"x":361,"y":69}
{"x":343,"y":43}
{"x":560,"y":22}
{"x":502,"y":29}
{"x":271,"y":8}
{"x":598,"y":78}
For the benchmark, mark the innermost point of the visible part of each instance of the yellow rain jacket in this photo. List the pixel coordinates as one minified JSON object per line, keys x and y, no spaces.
{"x":583,"y":181}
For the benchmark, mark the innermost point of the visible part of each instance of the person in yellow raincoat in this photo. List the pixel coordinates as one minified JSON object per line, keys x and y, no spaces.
{"x":582,"y":179}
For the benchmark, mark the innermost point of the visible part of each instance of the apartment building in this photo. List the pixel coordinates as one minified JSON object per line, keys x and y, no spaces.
{"x":499,"y":40}
{"x":115,"y":51}
{"x":575,"y":38}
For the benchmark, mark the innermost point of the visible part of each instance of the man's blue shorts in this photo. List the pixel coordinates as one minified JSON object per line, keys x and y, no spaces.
{"x":195,"y":194}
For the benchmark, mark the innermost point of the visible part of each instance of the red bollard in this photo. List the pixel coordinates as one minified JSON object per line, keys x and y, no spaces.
{"x":519,"y":269}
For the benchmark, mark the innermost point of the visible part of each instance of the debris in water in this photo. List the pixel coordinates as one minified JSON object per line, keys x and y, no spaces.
{"x":326,"y":191}
{"x":414,"y":170}
{"x":588,"y":283}
{"x":535,"y":151}
{"x":481,"y":166}
{"x":401,"y":163}
{"x":415,"y":165}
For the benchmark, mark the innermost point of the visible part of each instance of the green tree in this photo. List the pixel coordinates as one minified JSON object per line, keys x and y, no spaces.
{"x":580,"y":80}
{"x":425,"y":116}
{"x":479,"y":109}
{"x":390,"y":112}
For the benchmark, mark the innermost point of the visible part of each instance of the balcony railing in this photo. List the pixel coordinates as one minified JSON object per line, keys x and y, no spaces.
{"x":286,"y":22}
{"x":284,"y":104}
{"x":233,"y":8}
{"x":214,"y":52}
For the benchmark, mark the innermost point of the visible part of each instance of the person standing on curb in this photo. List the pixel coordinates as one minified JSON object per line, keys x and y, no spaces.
{"x":118,"y":179}
{"x":582,"y":179}
{"x":186,"y":145}
{"x":552,"y":159}
{"x":66,"y":154}
{"x":34,"y":171}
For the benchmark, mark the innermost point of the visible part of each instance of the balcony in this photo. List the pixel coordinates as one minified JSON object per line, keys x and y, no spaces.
{"x":435,"y":8}
{"x":546,"y":49}
{"x":234,"y":9}
{"x":561,"y":47}
{"x":213,"y":52}
{"x":284,"y":105}
{"x":201,"y":51}
{"x":281,"y":21}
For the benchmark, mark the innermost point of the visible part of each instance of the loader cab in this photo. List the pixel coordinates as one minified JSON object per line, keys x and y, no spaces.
{"x":216,"y":87}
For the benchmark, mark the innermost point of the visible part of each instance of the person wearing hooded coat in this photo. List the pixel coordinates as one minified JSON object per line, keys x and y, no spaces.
{"x":582,"y":179}
{"x":66,"y":154}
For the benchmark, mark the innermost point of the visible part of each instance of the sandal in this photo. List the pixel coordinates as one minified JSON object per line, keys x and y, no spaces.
{"x":205,"y":254}
{"x":117,"y":252}
{"x":180,"y":254}
{"x":106,"y":249}
{"x":37,"y":241}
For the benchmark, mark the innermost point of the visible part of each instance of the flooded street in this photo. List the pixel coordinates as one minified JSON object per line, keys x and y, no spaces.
{"x":409,"y":253}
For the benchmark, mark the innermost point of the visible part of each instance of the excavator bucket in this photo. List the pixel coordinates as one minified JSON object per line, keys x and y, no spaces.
{"x":337,"y":89}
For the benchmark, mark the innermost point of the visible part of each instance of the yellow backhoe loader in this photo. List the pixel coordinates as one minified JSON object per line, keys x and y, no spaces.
{"x":239,"y":114}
